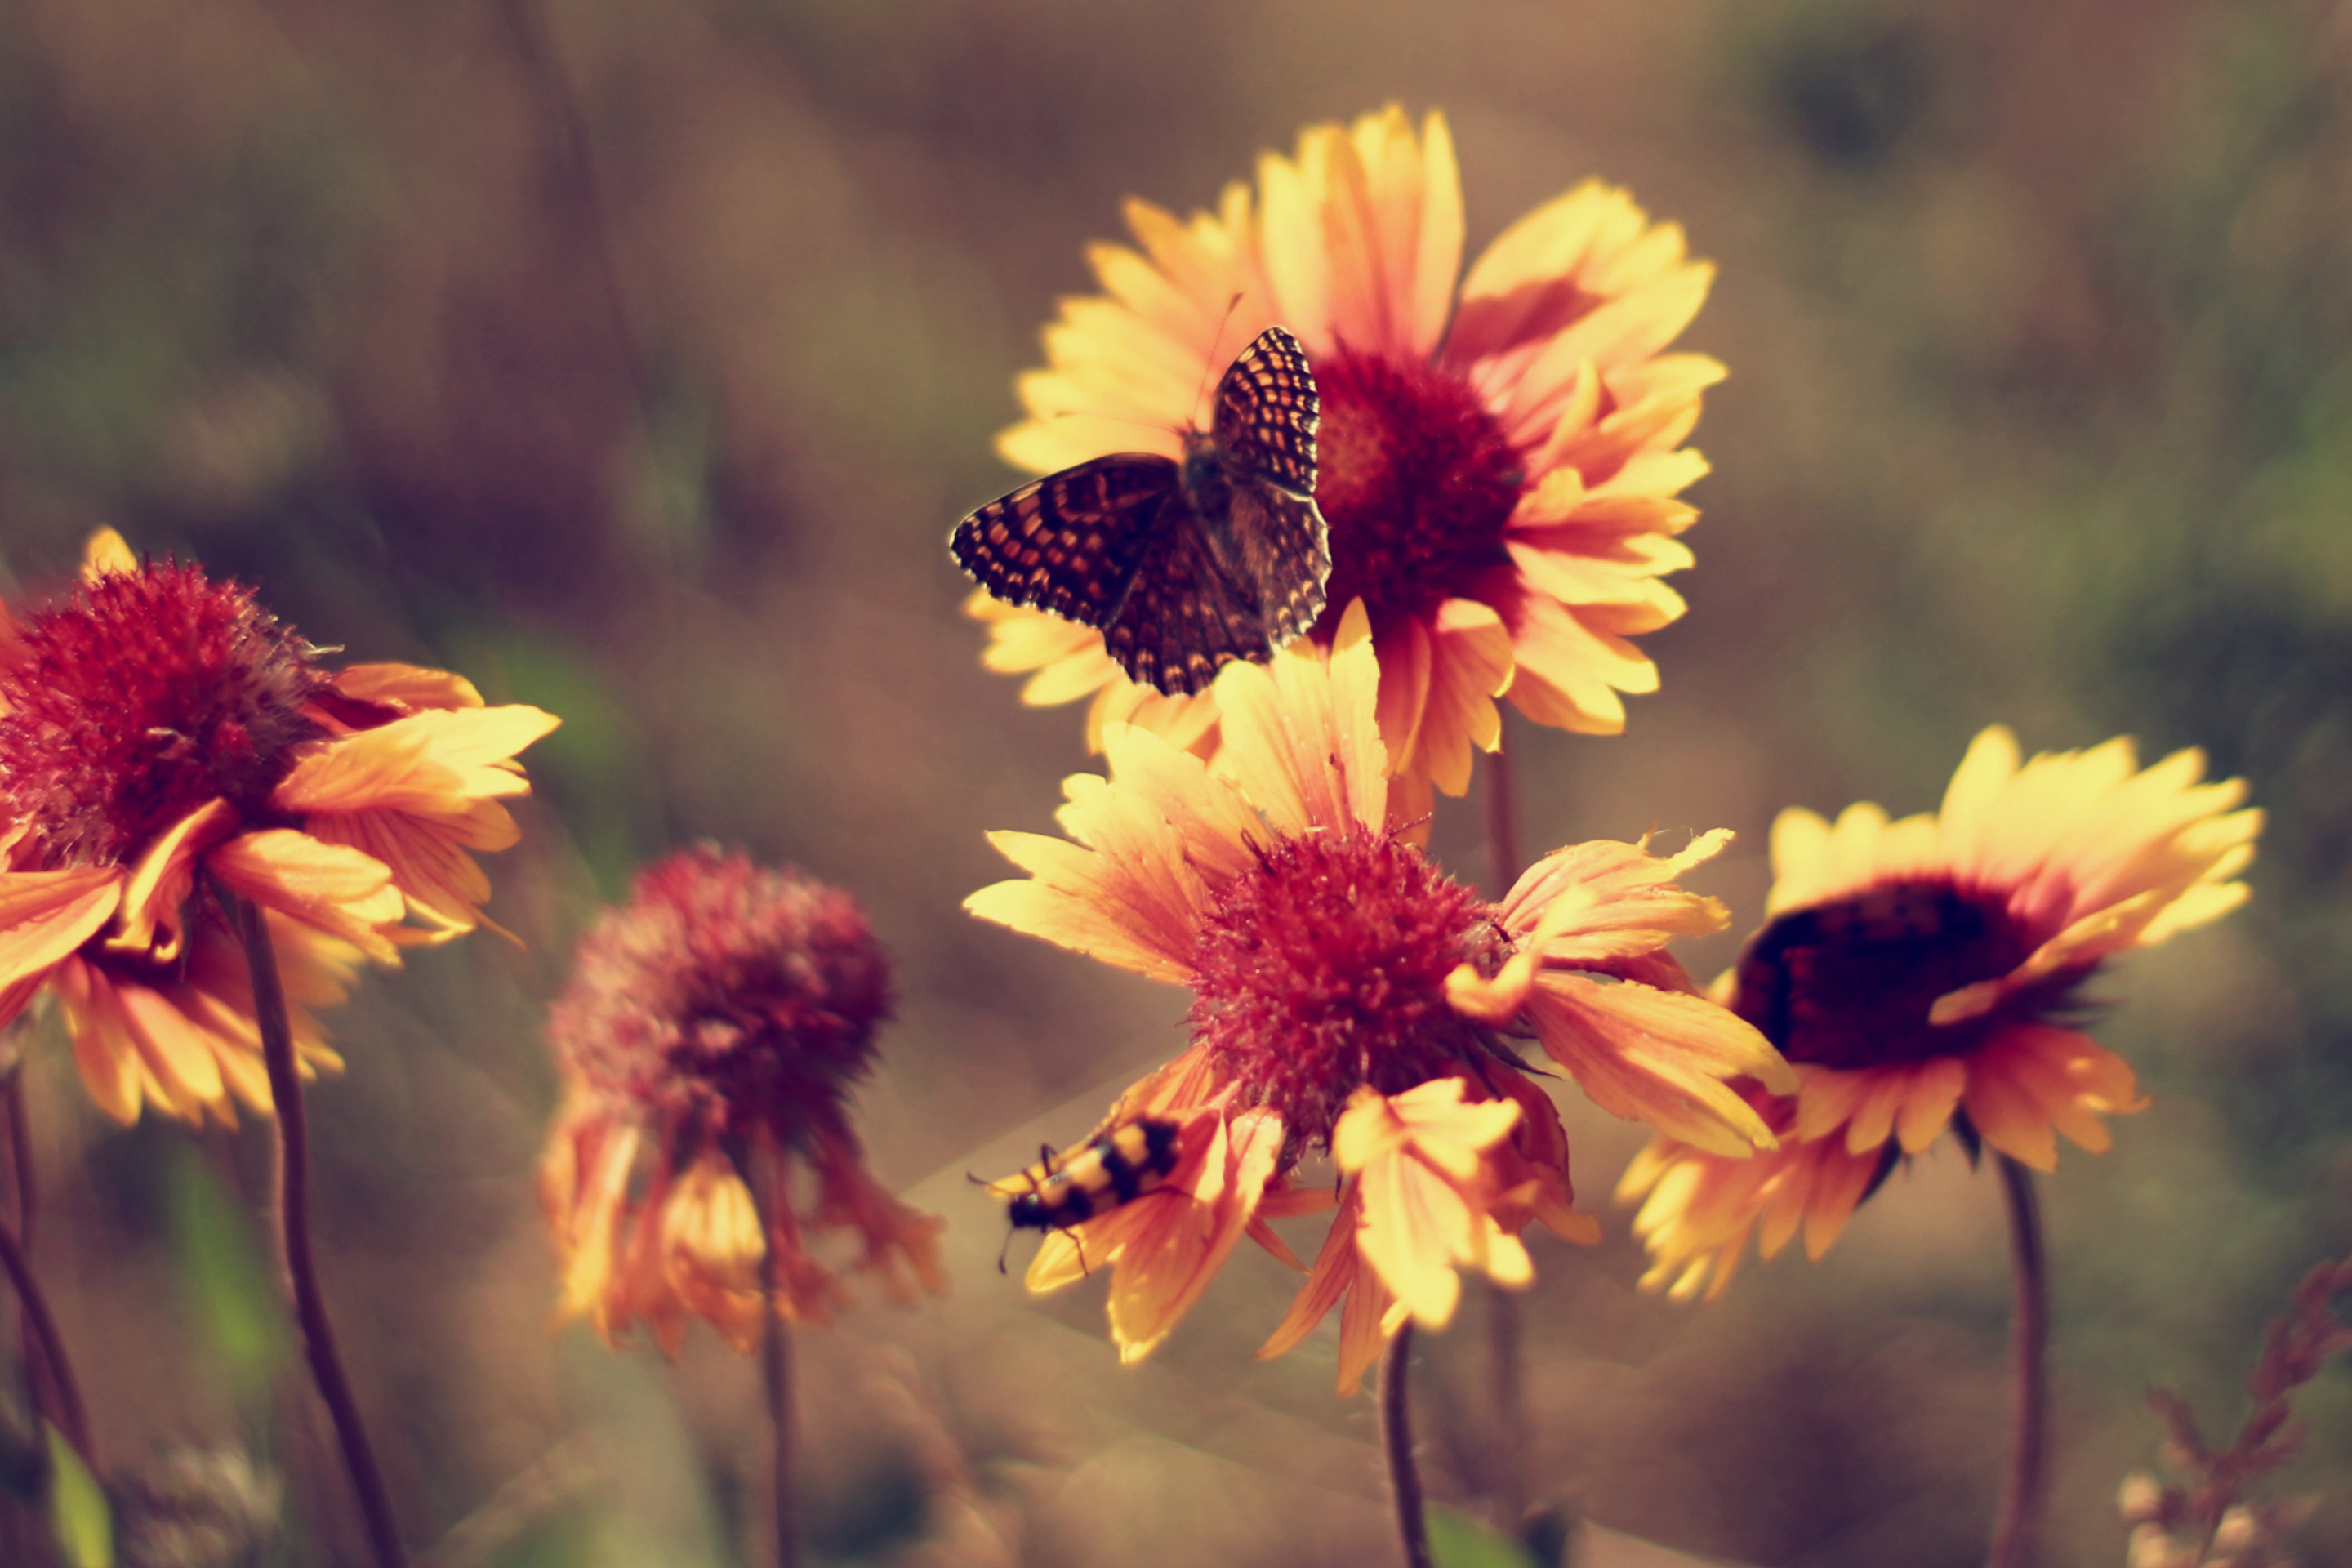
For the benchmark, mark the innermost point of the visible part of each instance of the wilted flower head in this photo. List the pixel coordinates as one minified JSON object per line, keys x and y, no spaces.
{"x":1927,"y":974}
{"x":162,"y":735}
{"x":709,"y":1038}
{"x":1500,"y":451}
{"x":1351,"y":1000}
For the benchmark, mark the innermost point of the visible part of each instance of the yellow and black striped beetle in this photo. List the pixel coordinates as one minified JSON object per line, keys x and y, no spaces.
{"x":1118,"y":1166}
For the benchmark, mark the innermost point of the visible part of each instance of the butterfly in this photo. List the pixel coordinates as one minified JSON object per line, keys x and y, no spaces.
{"x":1184,"y":566}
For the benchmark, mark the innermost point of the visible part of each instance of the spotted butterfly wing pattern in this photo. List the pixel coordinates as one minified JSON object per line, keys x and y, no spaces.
{"x":1068,"y":543}
{"x":1266,"y":415}
{"x":1184,"y":566}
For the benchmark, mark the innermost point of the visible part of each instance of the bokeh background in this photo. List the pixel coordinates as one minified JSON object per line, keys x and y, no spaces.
{"x":634,"y":356}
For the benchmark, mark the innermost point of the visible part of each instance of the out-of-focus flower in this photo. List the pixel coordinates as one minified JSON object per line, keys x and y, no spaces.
{"x":1922,"y":975}
{"x":1352,"y":999}
{"x":710,"y":1037}
{"x":1499,"y":462}
{"x":198,"y":1507}
{"x":161,"y":735}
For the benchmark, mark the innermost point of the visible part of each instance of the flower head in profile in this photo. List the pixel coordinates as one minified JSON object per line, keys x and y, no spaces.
{"x":711,"y":1034}
{"x":1929,"y":972}
{"x":1351,"y":1000}
{"x":1500,"y":451}
{"x":164,"y":740}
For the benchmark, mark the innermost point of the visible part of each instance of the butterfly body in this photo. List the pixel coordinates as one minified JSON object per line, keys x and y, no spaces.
{"x":1187,"y":563}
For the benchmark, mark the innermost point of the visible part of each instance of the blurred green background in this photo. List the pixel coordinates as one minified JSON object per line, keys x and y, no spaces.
{"x":634,"y":357}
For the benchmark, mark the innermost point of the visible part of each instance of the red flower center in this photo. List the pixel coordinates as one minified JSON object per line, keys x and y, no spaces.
{"x":1324,"y":966}
{"x":1416,"y":480}
{"x":144,"y":696}
{"x":725,"y":995}
{"x":1849,"y":984}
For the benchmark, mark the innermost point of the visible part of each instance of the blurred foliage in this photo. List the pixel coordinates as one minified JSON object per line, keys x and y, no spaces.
{"x":77,"y":1508}
{"x":229,"y":1284}
{"x":632,"y":358}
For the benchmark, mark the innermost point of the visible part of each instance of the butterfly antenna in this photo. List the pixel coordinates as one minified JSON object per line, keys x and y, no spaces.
{"x":1210,"y":369}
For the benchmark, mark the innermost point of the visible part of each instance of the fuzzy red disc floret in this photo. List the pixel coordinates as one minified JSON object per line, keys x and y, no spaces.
{"x":1851,"y":983}
{"x":1416,"y":481}
{"x":725,"y":995}
{"x":1323,"y":967}
{"x":143,"y":696}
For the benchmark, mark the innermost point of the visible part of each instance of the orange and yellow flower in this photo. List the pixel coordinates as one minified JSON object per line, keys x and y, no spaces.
{"x":163,"y":739}
{"x":1350,"y":999}
{"x":711,"y":1032}
{"x":1921,"y":974}
{"x":1500,"y":461}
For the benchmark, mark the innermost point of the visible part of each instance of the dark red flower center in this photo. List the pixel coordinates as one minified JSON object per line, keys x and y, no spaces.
{"x":1416,"y":481}
{"x":144,"y":696}
{"x":725,"y":995}
{"x":1323,"y":967}
{"x":1852,"y":984}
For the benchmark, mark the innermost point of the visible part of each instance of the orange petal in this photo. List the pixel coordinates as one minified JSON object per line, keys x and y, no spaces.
{"x":408,"y":687}
{"x":159,"y":887}
{"x":1658,"y":1057}
{"x":46,"y":915}
{"x":1335,"y":1267}
{"x":332,"y":888}
{"x":110,"y":1066}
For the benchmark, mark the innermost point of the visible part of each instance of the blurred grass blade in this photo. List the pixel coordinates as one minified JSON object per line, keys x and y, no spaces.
{"x":227,"y":1277}
{"x":1458,"y":1540}
{"x":78,"y":1512}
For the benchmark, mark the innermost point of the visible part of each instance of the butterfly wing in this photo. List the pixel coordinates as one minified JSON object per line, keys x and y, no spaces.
{"x":1275,"y":542}
{"x":1185,"y":618}
{"x":1272,"y":534}
{"x":1071,"y":543}
{"x":1267,"y":413}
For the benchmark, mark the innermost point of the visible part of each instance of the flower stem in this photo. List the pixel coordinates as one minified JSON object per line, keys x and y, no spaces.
{"x":1507,"y":1482}
{"x":294,"y":1230}
{"x":44,"y":1345}
{"x":2020,"y":1504}
{"x":55,"y":1393}
{"x":762,"y":1166}
{"x":1396,"y":1441}
{"x":20,"y":1155}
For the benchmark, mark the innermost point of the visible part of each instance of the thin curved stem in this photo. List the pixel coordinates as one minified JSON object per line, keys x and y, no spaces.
{"x":1506,"y":1475}
{"x":294,"y":1230}
{"x":20,"y":1156}
{"x":776,"y":1369}
{"x":50,"y":1377}
{"x":41,"y":1331}
{"x":1396,"y":1443}
{"x":2016,"y":1526}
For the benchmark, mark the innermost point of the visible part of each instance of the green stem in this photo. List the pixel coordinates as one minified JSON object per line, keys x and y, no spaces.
{"x":294,"y":1229}
{"x":2017,"y":1524}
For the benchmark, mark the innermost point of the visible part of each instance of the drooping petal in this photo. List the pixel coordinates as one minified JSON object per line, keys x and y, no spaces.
{"x":332,"y":887}
{"x":1418,"y":1158}
{"x":1658,"y":1057}
{"x":44,"y":916}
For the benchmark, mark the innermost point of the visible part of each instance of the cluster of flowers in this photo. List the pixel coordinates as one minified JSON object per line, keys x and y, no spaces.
{"x":1501,"y":463}
{"x":1502,"y":457}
